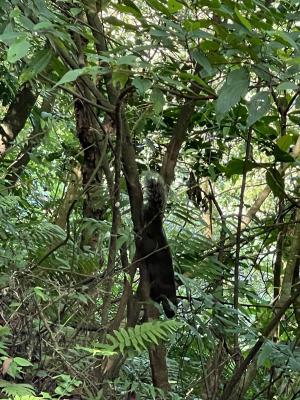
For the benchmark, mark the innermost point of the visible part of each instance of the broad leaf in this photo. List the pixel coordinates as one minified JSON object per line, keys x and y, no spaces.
{"x":258,"y":106}
{"x":174,"y":6}
{"x":37,"y":64}
{"x":287,"y":86}
{"x":285,"y":142}
{"x":141,"y":84}
{"x":201,"y":59}
{"x":126,"y":60}
{"x":158,"y":6}
{"x":18,"y":50}
{"x":236,"y":166}
{"x":22,"y":362}
{"x":275,"y":182}
{"x":243,"y":20}
{"x":232,"y":91}
{"x":71,"y":76}
{"x":282,"y":156}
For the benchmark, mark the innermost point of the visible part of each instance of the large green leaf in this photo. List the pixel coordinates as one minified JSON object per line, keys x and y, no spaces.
{"x":201,"y":59}
{"x":158,"y":6}
{"x":232,"y":91}
{"x":18,"y":50}
{"x":258,"y":106}
{"x":37,"y":64}
{"x":281,"y":155}
{"x":237,"y":166}
{"x":71,"y":76}
{"x":141,"y":84}
{"x":285,"y":142}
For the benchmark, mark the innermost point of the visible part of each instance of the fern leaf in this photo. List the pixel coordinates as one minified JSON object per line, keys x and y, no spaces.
{"x":121,"y":340}
{"x":126,"y":337}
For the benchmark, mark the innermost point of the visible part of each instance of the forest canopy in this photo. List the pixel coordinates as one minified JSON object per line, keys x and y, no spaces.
{"x":147,"y":148}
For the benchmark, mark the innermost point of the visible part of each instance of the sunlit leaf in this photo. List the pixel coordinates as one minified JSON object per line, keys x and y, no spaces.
{"x":174,"y":6}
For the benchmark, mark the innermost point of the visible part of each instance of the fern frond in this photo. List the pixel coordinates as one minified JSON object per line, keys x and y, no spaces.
{"x":138,"y":338}
{"x":13,"y":390}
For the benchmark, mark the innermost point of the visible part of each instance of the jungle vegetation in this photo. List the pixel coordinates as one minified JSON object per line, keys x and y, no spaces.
{"x":94,"y":94}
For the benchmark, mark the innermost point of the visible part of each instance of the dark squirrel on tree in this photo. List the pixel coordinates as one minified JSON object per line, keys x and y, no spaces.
{"x":154,"y":246}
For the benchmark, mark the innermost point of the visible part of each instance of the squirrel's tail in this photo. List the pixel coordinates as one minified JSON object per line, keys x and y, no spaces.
{"x":155,"y":196}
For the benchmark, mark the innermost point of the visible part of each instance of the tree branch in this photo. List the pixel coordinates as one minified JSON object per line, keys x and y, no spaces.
{"x":16,"y":117}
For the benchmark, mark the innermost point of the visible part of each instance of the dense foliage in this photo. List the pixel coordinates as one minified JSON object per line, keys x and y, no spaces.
{"x":94,"y":94}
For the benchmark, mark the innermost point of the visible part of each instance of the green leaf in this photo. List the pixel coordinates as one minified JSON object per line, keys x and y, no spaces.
{"x":114,"y":342}
{"x":138,"y":336}
{"x":126,"y":337}
{"x":44,"y":26}
{"x":4,"y":331}
{"x":74,"y":11}
{"x":287,"y":86}
{"x":37,"y":64}
{"x":264,"y":356}
{"x":232,"y":91}
{"x":71,"y":76}
{"x":201,"y":59}
{"x":174,"y":6}
{"x":293,"y":61}
{"x":7,"y":37}
{"x":120,"y":77}
{"x":18,"y":50}
{"x":26,"y":22}
{"x":117,"y":22}
{"x":128,"y":7}
{"x":275,"y":182}
{"x":22,"y":362}
{"x":17,"y":389}
{"x":121,"y":340}
{"x":243,"y":20}
{"x":236,"y":166}
{"x":158,"y":6}
{"x":126,"y":60}
{"x":151,"y":337}
{"x":40,"y":293}
{"x":130,"y":3}
{"x":294,"y":118}
{"x":141,"y":84}
{"x":285,"y":142}
{"x":258,"y":106}
{"x":158,"y":100}
{"x":285,"y":38}
{"x":282,"y":156}
{"x":133,"y":339}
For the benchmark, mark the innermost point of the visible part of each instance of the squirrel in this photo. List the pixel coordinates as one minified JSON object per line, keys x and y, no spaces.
{"x":154,"y":246}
